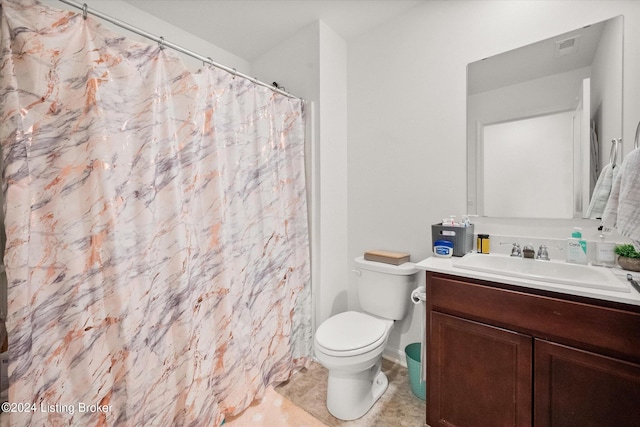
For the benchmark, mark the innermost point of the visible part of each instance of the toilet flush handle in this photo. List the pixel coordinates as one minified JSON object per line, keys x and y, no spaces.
{"x":357,"y":272}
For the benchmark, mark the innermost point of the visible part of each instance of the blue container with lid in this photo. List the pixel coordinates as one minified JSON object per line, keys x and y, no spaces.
{"x":443,"y":248}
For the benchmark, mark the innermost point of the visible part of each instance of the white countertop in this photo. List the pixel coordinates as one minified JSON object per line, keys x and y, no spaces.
{"x":445,"y":265}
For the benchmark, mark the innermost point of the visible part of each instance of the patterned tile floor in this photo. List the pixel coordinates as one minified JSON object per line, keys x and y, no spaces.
{"x":301,"y":402}
{"x":274,"y":410}
{"x":398,"y":407}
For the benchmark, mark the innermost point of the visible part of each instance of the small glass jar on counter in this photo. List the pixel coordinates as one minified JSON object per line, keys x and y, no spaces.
{"x":484,"y":244}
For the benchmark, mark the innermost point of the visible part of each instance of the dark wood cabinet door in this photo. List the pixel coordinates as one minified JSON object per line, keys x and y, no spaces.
{"x":578,"y":388}
{"x":478,"y":375}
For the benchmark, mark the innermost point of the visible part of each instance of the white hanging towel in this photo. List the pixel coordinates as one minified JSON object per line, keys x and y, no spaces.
{"x":602,"y":191}
{"x":622,"y":211}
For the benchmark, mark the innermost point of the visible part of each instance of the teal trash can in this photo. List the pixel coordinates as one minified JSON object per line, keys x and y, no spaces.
{"x":418,"y":387}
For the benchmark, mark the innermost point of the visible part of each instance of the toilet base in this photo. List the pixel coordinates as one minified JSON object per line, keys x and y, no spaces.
{"x":379,"y":386}
{"x":350,"y":396}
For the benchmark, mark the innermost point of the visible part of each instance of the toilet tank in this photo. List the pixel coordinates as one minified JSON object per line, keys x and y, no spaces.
{"x":384,"y":290}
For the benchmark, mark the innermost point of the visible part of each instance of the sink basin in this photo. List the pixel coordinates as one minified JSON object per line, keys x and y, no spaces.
{"x":548,"y":271}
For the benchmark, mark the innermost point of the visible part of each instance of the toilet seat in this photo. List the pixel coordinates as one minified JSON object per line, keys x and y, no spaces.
{"x":351,"y":333}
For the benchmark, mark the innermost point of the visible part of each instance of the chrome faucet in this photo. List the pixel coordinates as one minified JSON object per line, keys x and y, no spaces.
{"x":515,"y":250}
{"x":528,"y":252}
{"x":543,"y":253}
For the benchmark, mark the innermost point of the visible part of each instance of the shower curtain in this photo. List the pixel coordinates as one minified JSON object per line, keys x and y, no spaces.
{"x":157,"y":246}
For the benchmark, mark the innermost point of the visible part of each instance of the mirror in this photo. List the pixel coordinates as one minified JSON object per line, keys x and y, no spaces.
{"x":540,"y":121}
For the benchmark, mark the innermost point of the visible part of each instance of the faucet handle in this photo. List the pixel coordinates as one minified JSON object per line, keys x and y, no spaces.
{"x":543,"y":253}
{"x":515,"y":250}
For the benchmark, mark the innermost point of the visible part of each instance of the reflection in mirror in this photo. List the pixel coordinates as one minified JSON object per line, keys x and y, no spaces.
{"x":540,"y":121}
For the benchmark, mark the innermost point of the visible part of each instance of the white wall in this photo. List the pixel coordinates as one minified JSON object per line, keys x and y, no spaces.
{"x":407,"y":117}
{"x":516,"y":101}
{"x":515,"y":160}
{"x":133,"y":16}
{"x":333,"y":174}
{"x":605,"y":106}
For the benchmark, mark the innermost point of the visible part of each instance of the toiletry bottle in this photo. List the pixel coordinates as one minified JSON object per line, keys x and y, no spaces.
{"x":605,"y":252}
{"x":576,"y":248}
{"x":483,"y":244}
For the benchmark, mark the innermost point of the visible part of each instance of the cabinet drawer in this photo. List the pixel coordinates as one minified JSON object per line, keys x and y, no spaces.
{"x":607,"y":330}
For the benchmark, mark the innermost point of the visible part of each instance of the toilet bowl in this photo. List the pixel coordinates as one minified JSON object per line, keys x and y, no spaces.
{"x":350,"y":344}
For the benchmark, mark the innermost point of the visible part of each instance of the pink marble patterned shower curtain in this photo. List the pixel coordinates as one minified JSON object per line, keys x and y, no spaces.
{"x":157,"y":246}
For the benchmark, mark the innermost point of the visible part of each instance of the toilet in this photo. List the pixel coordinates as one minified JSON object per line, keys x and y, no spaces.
{"x":350,"y":344}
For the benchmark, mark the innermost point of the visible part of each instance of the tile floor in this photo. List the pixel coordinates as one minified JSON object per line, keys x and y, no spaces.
{"x":274,"y":410}
{"x":398,"y":407}
{"x":301,"y":402}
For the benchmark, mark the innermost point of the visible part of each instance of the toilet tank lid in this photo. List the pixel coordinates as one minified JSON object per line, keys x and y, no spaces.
{"x":403,"y":269}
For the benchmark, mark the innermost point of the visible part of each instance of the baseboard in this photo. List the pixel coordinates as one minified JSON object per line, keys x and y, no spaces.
{"x":395,"y":356}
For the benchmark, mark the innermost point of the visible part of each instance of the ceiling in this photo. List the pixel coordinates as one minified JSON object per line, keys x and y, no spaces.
{"x":248,"y":28}
{"x":536,"y":60}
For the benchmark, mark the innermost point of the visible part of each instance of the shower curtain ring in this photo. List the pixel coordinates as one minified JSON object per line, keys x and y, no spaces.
{"x":85,"y":10}
{"x":161,"y":43}
{"x":209,"y":62}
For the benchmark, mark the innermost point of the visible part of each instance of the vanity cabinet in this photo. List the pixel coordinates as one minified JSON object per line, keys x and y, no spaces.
{"x":478,"y":372}
{"x":502,"y":355}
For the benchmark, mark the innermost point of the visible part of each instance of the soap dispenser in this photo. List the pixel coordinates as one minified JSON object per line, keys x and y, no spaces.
{"x":577,"y":248}
{"x":605,"y":252}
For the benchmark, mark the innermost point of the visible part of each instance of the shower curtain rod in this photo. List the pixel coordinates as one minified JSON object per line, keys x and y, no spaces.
{"x":163,"y":43}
